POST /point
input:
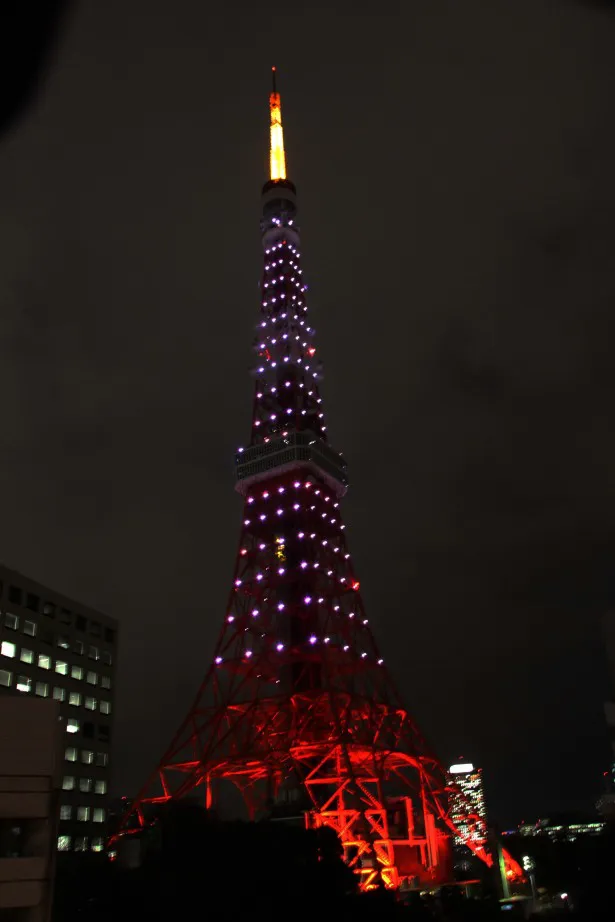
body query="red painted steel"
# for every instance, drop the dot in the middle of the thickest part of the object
(297, 710)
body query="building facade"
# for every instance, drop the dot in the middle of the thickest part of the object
(606, 803)
(31, 766)
(54, 647)
(467, 799)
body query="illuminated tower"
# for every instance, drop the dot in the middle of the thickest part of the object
(297, 704)
(467, 801)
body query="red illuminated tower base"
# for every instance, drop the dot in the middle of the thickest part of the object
(297, 710)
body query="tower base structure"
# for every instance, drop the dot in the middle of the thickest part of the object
(297, 703)
(345, 763)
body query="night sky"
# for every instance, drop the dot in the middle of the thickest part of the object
(454, 163)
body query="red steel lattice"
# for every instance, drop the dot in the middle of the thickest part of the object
(297, 707)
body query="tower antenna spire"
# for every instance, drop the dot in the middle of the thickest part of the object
(277, 159)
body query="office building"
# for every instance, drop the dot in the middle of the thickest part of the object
(54, 647)
(31, 767)
(467, 800)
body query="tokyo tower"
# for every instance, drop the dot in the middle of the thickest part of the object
(297, 710)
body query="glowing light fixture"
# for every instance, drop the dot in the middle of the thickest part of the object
(461, 767)
(277, 160)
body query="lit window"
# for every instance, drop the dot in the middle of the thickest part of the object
(29, 627)
(97, 844)
(66, 812)
(70, 754)
(64, 642)
(100, 787)
(5, 678)
(64, 843)
(68, 783)
(91, 678)
(105, 707)
(24, 684)
(93, 653)
(61, 667)
(90, 704)
(76, 672)
(44, 661)
(59, 694)
(72, 725)
(83, 814)
(105, 681)
(87, 756)
(8, 649)
(85, 785)
(74, 698)
(81, 844)
(102, 759)
(98, 815)
(11, 621)
(41, 689)
(26, 656)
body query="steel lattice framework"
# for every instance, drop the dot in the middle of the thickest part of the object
(297, 707)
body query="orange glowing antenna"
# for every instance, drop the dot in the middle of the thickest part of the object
(277, 160)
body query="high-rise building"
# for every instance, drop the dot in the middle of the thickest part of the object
(54, 647)
(467, 801)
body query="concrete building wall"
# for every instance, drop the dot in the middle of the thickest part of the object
(31, 743)
(608, 627)
(606, 803)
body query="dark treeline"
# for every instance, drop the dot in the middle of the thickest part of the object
(196, 865)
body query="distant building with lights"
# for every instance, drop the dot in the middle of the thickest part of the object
(561, 830)
(467, 799)
(56, 648)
